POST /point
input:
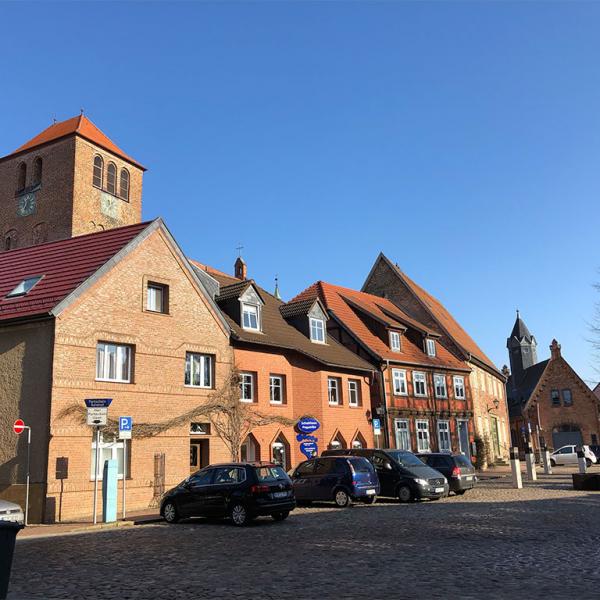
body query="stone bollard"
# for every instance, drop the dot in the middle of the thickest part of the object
(581, 460)
(546, 461)
(515, 466)
(530, 461)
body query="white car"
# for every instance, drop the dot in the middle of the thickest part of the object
(567, 455)
(9, 511)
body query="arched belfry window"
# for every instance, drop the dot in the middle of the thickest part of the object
(111, 179)
(22, 176)
(98, 171)
(37, 171)
(124, 184)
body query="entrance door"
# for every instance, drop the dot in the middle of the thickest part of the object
(463, 436)
(495, 437)
(199, 455)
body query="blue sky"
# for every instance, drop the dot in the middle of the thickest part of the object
(461, 138)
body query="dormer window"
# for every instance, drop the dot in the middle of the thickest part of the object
(24, 287)
(395, 341)
(250, 317)
(317, 330)
(430, 344)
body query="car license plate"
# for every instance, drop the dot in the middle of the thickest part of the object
(469, 477)
(280, 494)
(439, 490)
(370, 492)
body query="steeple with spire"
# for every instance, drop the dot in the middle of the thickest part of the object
(522, 350)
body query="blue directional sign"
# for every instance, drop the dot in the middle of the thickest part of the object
(308, 425)
(98, 402)
(309, 449)
(377, 426)
(125, 423)
(302, 437)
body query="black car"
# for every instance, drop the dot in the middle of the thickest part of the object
(240, 491)
(342, 479)
(401, 474)
(456, 468)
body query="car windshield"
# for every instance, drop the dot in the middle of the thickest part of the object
(462, 461)
(405, 459)
(270, 474)
(361, 465)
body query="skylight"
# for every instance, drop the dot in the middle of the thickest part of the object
(24, 287)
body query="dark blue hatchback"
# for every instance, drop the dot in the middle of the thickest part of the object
(341, 479)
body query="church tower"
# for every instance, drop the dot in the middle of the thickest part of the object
(68, 180)
(522, 350)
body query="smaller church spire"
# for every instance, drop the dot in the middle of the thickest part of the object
(276, 292)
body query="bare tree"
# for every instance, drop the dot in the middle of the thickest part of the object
(232, 419)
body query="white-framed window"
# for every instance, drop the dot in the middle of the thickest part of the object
(317, 330)
(109, 449)
(353, 392)
(198, 370)
(399, 380)
(402, 434)
(459, 387)
(420, 383)
(276, 389)
(394, 341)
(423, 444)
(247, 387)
(156, 297)
(333, 390)
(250, 317)
(439, 382)
(113, 362)
(444, 441)
(430, 347)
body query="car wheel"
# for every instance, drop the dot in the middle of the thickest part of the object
(552, 462)
(342, 498)
(405, 494)
(239, 515)
(170, 513)
(588, 463)
(370, 500)
(281, 516)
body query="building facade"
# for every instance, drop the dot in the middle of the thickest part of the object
(487, 383)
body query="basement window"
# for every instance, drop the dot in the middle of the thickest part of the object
(24, 287)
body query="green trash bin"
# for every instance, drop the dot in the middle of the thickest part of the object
(8, 535)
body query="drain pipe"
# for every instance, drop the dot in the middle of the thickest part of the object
(386, 433)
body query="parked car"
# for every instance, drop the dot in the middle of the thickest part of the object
(342, 479)
(456, 468)
(596, 450)
(9, 511)
(240, 491)
(567, 455)
(401, 474)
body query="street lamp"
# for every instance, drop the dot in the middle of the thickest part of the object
(495, 407)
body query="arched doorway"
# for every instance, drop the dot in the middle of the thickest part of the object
(566, 434)
(337, 442)
(359, 441)
(280, 452)
(250, 450)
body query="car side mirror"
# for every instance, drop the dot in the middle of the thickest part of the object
(388, 465)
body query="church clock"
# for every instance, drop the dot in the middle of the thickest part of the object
(26, 205)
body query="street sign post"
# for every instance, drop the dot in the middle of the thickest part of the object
(125, 427)
(377, 426)
(18, 427)
(97, 415)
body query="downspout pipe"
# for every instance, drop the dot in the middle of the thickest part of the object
(386, 432)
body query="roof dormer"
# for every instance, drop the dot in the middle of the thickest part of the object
(251, 309)
(309, 317)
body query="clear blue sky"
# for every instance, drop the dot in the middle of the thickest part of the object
(462, 139)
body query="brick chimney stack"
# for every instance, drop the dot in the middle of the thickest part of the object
(555, 350)
(240, 269)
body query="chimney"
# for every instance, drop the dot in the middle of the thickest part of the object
(555, 350)
(240, 269)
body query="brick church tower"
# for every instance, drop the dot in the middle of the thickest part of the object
(69, 180)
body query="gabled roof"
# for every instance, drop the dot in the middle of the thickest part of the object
(293, 309)
(279, 333)
(518, 398)
(440, 314)
(342, 303)
(81, 126)
(233, 290)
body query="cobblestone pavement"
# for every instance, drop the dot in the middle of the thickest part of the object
(493, 542)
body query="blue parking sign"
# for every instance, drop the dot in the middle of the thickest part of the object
(125, 427)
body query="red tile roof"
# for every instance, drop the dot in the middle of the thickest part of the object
(224, 278)
(64, 265)
(81, 126)
(343, 303)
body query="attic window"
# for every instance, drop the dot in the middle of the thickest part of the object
(430, 347)
(394, 341)
(317, 330)
(24, 287)
(250, 317)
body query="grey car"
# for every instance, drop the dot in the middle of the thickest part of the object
(9, 511)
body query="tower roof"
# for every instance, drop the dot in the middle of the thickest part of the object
(520, 330)
(81, 126)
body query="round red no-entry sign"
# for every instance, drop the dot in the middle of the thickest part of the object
(19, 426)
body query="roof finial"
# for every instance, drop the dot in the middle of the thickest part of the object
(518, 314)
(276, 293)
(53, 119)
(81, 111)
(239, 249)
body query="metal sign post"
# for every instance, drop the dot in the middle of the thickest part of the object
(97, 433)
(18, 427)
(125, 427)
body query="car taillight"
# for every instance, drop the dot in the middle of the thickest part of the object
(455, 473)
(259, 489)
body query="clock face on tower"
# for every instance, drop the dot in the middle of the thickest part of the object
(109, 205)
(26, 205)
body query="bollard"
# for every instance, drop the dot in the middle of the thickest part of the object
(581, 460)
(530, 461)
(515, 466)
(546, 461)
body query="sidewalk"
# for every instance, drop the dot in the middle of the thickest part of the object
(135, 518)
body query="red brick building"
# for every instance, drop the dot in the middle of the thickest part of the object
(422, 393)
(290, 366)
